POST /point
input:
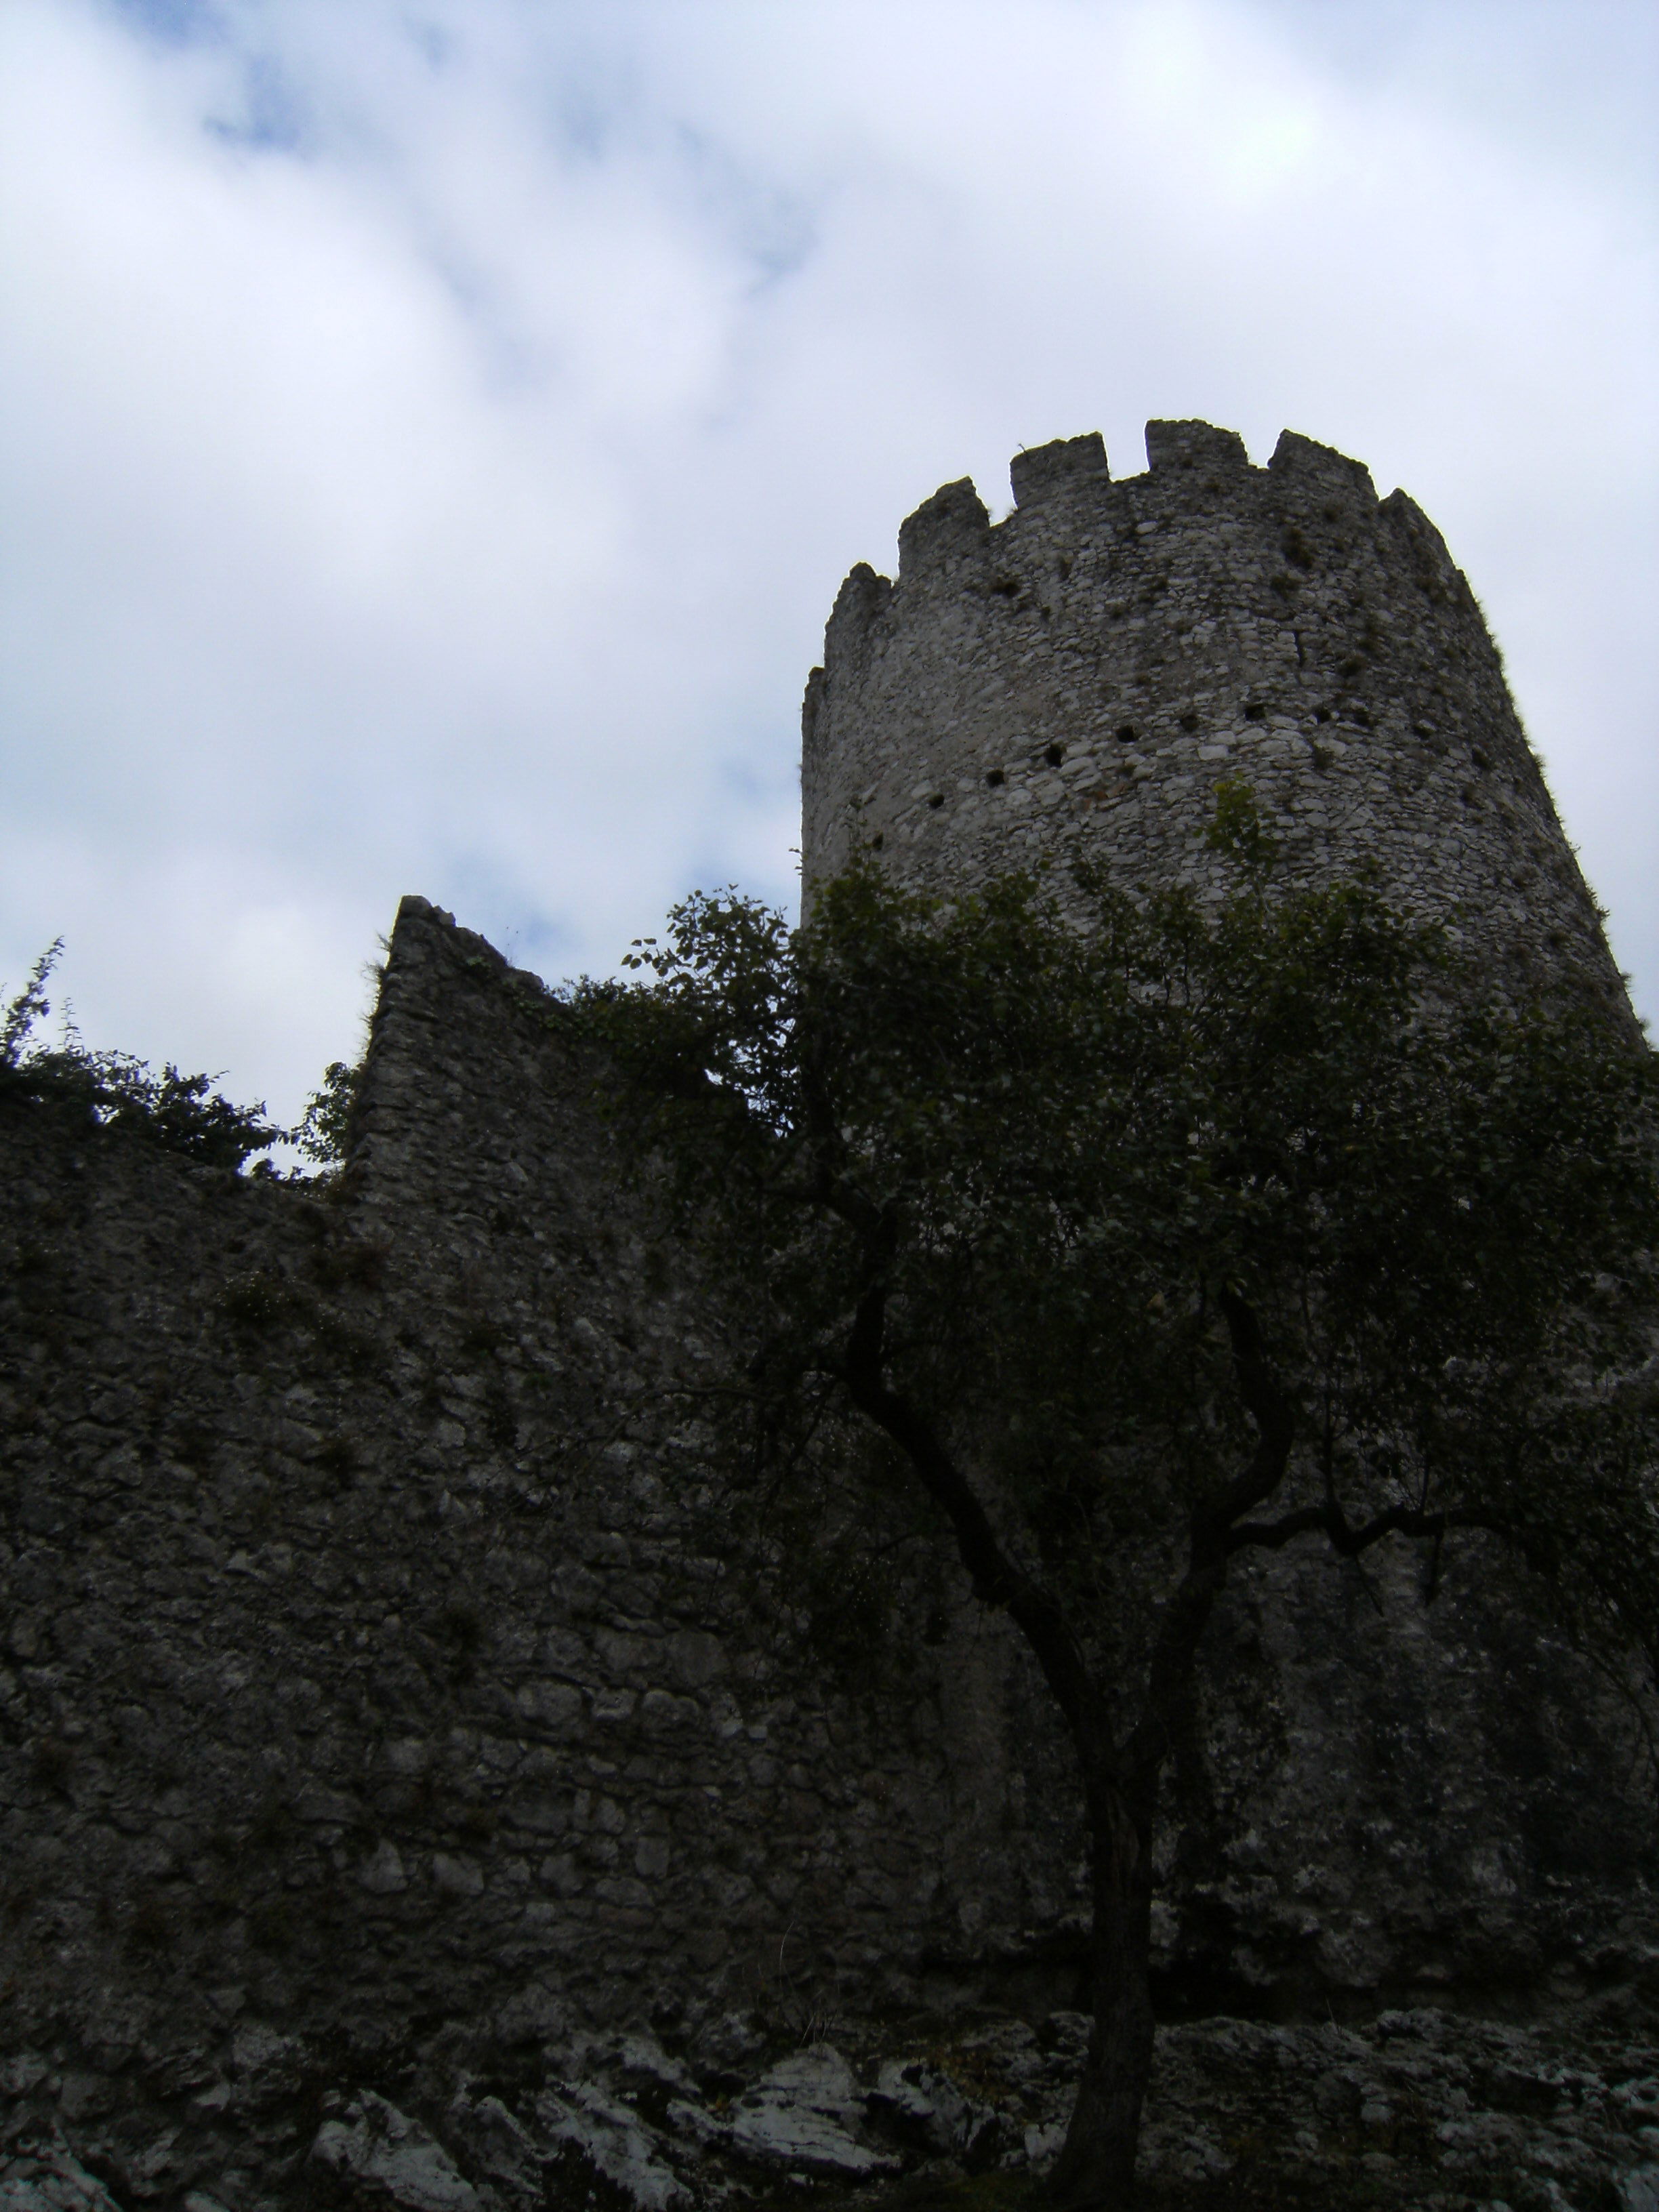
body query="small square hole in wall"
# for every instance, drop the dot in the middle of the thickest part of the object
(995, 778)
(936, 798)
(1053, 755)
(1127, 734)
(1189, 722)
(1255, 712)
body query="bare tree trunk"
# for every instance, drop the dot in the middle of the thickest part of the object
(1096, 2167)
(1097, 2163)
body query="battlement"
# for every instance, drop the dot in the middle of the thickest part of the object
(952, 525)
(1322, 471)
(1060, 470)
(1064, 490)
(1083, 673)
(1172, 446)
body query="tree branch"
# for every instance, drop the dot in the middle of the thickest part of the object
(996, 1579)
(1170, 1674)
(1267, 1407)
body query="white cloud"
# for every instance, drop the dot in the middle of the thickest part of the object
(433, 443)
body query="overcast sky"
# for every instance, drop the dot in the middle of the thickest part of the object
(433, 431)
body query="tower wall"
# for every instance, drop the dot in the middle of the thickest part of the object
(1083, 674)
(1369, 1775)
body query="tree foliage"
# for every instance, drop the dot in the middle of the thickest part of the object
(1073, 1146)
(186, 1113)
(320, 1135)
(113, 1089)
(1154, 1230)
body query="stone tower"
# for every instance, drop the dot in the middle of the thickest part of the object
(1085, 672)
(1384, 1795)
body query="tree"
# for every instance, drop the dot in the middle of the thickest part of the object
(320, 1135)
(112, 1090)
(115, 1089)
(1149, 1233)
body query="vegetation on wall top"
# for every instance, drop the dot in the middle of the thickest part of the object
(112, 1090)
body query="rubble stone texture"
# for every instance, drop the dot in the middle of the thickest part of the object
(384, 1644)
(398, 1686)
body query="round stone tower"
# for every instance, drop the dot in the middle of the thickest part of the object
(1087, 670)
(1380, 1798)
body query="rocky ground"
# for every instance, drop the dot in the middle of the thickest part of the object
(1419, 2110)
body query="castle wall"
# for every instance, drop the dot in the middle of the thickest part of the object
(386, 1645)
(391, 1657)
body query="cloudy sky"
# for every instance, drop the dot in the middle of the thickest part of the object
(433, 431)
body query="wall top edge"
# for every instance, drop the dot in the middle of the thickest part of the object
(1060, 483)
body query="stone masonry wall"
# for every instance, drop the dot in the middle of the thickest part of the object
(384, 1644)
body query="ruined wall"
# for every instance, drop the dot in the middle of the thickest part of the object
(387, 1650)
(384, 1644)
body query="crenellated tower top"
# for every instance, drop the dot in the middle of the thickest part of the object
(1085, 673)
